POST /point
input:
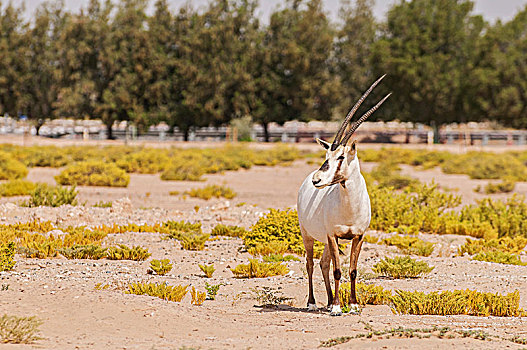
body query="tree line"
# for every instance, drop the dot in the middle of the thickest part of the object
(205, 67)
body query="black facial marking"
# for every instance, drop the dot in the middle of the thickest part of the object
(337, 274)
(334, 146)
(325, 166)
(353, 275)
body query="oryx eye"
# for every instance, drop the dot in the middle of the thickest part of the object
(340, 157)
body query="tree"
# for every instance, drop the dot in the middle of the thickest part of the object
(501, 76)
(353, 50)
(425, 50)
(290, 66)
(12, 51)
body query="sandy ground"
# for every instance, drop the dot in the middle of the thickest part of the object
(75, 315)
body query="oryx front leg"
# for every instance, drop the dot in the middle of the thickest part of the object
(356, 245)
(325, 263)
(334, 254)
(308, 245)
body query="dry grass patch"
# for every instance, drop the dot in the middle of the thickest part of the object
(499, 257)
(197, 297)
(122, 252)
(410, 245)
(208, 270)
(163, 291)
(402, 267)
(210, 191)
(19, 330)
(17, 187)
(7, 256)
(257, 269)
(160, 267)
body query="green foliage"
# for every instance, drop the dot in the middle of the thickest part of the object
(90, 251)
(102, 204)
(176, 228)
(367, 294)
(193, 241)
(402, 267)
(272, 248)
(279, 258)
(52, 196)
(410, 245)
(371, 239)
(228, 231)
(93, 173)
(19, 330)
(387, 174)
(208, 270)
(163, 291)
(7, 256)
(212, 290)
(257, 269)
(499, 257)
(197, 297)
(212, 191)
(480, 165)
(423, 210)
(505, 186)
(278, 227)
(457, 302)
(145, 161)
(10, 168)
(17, 188)
(126, 253)
(160, 267)
(504, 244)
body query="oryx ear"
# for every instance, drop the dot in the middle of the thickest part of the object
(353, 147)
(323, 143)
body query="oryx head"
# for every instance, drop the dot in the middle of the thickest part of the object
(341, 158)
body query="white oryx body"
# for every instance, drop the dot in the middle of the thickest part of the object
(334, 209)
(333, 203)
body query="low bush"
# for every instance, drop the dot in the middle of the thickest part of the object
(123, 252)
(19, 330)
(212, 191)
(7, 256)
(145, 161)
(93, 173)
(279, 258)
(102, 204)
(208, 270)
(410, 245)
(163, 291)
(257, 269)
(212, 290)
(272, 248)
(267, 296)
(10, 168)
(175, 229)
(371, 239)
(160, 267)
(505, 186)
(228, 231)
(387, 174)
(197, 297)
(367, 294)
(90, 251)
(51, 196)
(499, 257)
(17, 188)
(480, 165)
(402, 267)
(193, 241)
(504, 244)
(457, 302)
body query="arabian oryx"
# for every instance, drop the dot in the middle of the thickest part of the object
(333, 203)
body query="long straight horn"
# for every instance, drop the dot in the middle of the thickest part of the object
(365, 116)
(336, 141)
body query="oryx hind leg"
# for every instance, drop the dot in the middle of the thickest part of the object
(308, 245)
(337, 274)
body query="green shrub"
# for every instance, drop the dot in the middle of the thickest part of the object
(102, 204)
(367, 294)
(10, 168)
(257, 269)
(499, 257)
(90, 251)
(175, 229)
(188, 171)
(197, 297)
(387, 174)
(279, 258)
(19, 330)
(479, 165)
(17, 188)
(277, 226)
(410, 245)
(52, 196)
(126, 253)
(160, 267)
(208, 270)
(504, 244)
(402, 267)
(505, 186)
(163, 291)
(271, 248)
(228, 231)
(212, 290)
(145, 161)
(212, 191)
(7, 256)
(93, 173)
(193, 241)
